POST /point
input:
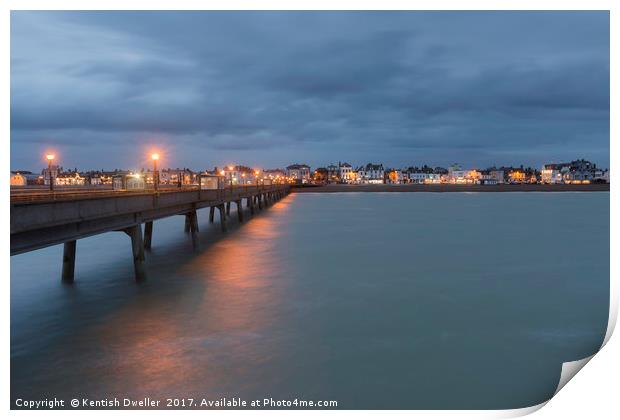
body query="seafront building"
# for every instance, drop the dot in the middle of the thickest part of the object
(574, 172)
(299, 173)
(371, 174)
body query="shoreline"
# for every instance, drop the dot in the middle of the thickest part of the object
(439, 188)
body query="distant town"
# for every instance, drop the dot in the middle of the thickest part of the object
(574, 172)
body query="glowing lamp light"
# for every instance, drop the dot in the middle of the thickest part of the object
(155, 156)
(50, 157)
(230, 168)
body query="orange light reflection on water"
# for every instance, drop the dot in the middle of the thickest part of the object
(210, 328)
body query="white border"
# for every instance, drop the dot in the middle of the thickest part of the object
(596, 384)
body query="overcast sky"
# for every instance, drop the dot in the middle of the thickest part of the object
(101, 89)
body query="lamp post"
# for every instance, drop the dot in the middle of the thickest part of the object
(50, 159)
(155, 157)
(230, 168)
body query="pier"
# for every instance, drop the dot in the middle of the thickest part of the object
(39, 220)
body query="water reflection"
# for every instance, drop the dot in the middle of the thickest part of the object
(199, 324)
(376, 300)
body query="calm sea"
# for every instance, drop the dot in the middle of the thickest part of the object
(376, 300)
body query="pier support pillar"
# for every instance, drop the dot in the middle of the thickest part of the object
(192, 216)
(222, 210)
(68, 262)
(148, 234)
(239, 210)
(260, 201)
(228, 209)
(187, 223)
(251, 204)
(137, 249)
(211, 214)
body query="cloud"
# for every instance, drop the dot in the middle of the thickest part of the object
(327, 85)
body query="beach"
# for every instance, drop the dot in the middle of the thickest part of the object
(334, 188)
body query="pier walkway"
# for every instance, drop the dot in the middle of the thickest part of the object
(41, 219)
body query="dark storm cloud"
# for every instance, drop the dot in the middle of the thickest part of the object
(271, 88)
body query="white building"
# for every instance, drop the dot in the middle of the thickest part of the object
(371, 174)
(49, 173)
(458, 176)
(498, 176)
(423, 178)
(298, 173)
(487, 178)
(552, 173)
(70, 179)
(601, 175)
(417, 177)
(345, 172)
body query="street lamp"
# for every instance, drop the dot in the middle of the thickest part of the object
(155, 157)
(50, 159)
(230, 168)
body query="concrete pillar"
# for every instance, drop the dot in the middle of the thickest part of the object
(148, 234)
(211, 214)
(187, 223)
(193, 227)
(222, 210)
(251, 204)
(68, 262)
(260, 201)
(228, 209)
(137, 250)
(239, 210)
